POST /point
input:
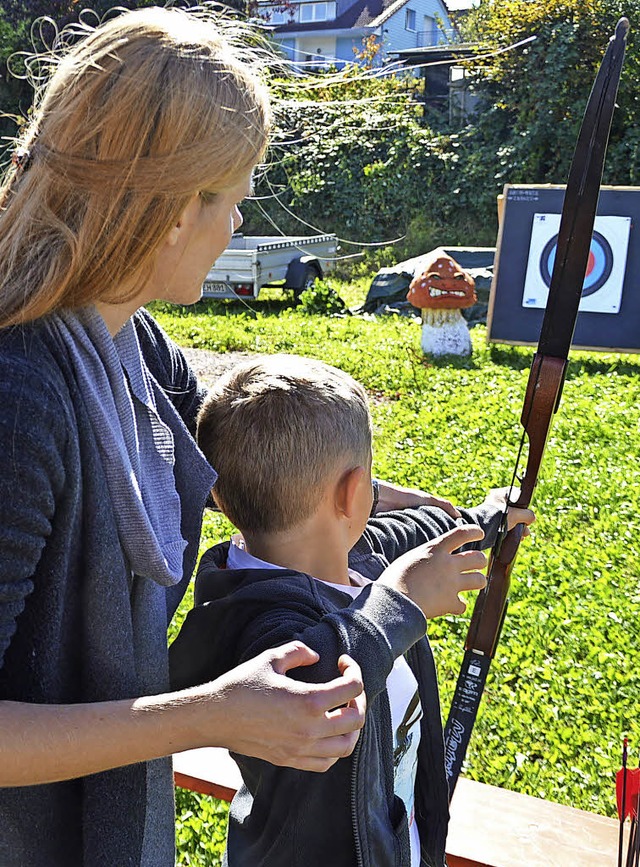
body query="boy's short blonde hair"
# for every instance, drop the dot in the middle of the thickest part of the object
(275, 429)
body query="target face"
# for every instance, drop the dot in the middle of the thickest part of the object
(599, 266)
(602, 288)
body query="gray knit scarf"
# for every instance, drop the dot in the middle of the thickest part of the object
(136, 446)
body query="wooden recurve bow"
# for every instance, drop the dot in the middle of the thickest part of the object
(544, 389)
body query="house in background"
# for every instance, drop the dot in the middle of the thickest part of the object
(325, 32)
(447, 83)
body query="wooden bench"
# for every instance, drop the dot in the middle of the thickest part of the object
(210, 771)
(490, 827)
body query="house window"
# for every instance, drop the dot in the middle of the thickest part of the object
(278, 14)
(317, 12)
(410, 19)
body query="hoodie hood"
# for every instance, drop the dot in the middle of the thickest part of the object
(226, 603)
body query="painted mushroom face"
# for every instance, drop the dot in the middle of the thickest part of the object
(443, 285)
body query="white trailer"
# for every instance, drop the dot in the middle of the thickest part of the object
(251, 262)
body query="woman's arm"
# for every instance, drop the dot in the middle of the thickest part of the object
(254, 709)
(390, 497)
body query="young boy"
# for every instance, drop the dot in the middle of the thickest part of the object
(291, 441)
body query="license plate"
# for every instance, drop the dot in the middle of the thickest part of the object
(210, 288)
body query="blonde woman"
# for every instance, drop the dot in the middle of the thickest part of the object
(125, 188)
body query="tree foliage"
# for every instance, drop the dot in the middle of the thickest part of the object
(533, 99)
(351, 156)
(357, 159)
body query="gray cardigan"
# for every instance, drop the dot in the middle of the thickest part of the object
(71, 617)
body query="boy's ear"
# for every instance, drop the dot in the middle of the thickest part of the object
(347, 490)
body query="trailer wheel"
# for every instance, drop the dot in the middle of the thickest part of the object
(302, 273)
(310, 276)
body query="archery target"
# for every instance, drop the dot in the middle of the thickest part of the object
(602, 288)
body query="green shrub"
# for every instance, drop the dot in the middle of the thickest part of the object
(321, 298)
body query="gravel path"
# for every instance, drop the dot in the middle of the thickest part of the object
(209, 365)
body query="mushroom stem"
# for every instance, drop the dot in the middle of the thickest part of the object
(438, 318)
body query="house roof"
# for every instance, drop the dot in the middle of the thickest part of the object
(388, 11)
(362, 13)
(435, 53)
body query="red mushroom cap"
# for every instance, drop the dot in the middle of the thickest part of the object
(443, 284)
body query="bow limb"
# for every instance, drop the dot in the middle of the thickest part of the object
(543, 393)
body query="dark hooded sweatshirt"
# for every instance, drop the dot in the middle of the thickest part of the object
(348, 816)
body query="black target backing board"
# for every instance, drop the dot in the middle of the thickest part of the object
(609, 317)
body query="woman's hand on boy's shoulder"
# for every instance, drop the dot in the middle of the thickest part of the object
(256, 710)
(391, 497)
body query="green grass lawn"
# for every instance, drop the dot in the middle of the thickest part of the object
(565, 682)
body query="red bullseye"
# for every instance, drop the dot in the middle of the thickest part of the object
(590, 264)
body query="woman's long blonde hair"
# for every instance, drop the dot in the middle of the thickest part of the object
(151, 108)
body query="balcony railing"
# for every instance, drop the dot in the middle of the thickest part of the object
(436, 36)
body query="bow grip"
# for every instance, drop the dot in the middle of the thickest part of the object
(542, 398)
(491, 604)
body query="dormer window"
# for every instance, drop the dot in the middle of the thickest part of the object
(310, 12)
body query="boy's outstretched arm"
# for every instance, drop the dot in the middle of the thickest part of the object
(432, 575)
(397, 532)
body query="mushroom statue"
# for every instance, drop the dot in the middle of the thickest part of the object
(441, 290)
